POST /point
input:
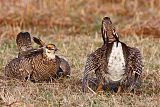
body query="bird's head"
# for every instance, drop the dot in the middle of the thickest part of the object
(108, 30)
(49, 50)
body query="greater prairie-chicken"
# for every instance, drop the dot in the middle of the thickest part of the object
(21, 67)
(116, 65)
(36, 64)
(65, 69)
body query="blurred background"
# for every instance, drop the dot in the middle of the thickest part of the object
(76, 17)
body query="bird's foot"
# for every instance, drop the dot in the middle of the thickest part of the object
(100, 88)
(119, 90)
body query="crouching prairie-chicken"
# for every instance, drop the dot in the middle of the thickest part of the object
(38, 65)
(117, 66)
(63, 65)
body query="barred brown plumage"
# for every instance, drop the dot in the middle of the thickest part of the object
(64, 69)
(19, 68)
(24, 44)
(44, 68)
(116, 65)
(38, 65)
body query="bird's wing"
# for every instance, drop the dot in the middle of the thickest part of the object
(136, 58)
(135, 66)
(64, 65)
(92, 63)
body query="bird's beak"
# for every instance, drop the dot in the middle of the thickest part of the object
(56, 49)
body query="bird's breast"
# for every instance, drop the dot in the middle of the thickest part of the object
(116, 63)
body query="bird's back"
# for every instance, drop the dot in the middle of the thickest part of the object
(44, 69)
(19, 68)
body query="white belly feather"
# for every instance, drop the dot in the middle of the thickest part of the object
(116, 64)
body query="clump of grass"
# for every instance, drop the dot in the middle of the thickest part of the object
(68, 92)
(79, 16)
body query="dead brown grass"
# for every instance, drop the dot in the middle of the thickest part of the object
(74, 27)
(136, 16)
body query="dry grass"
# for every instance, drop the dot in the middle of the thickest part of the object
(74, 27)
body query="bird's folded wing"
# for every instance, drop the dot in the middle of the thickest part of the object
(136, 57)
(92, 63)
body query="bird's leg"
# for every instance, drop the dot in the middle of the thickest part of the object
(119, 89)
(100, 88)
(120, 86)
(134, 83)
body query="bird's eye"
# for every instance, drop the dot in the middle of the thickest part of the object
(51, 49)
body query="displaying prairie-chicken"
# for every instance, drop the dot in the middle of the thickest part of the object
(38, 65)
(117, 66)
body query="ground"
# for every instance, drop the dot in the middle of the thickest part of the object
(74, 27)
